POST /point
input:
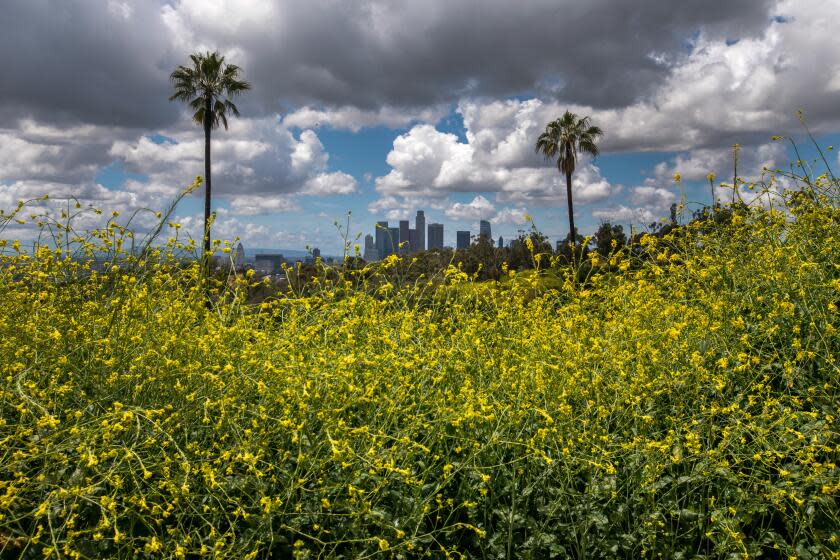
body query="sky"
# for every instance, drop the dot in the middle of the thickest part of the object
(382, 108)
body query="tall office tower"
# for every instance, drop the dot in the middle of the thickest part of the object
(239, 257)
(501, 242)
(420, 226)
(395, 240)
(316, 253)
(435, 236)
(387, 244)
(381, 235)
(412, 240)
(403, 241)
(370, 254)
(462, 239)
(484, 229)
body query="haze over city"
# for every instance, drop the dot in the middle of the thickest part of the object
(383, 109)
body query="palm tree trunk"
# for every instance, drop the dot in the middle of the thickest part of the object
(207, 189)
(572, 239)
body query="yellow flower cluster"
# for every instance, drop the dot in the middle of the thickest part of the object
(681, 400)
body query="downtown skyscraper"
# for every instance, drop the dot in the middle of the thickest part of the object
(484, 229)
(420, 226)
(435, 236)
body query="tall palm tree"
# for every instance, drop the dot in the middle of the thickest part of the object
(564, 138)
(207, 86)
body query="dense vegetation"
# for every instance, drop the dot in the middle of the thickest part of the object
(681, 402)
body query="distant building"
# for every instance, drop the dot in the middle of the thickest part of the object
(404, 237)
(393, 240)
(316, 253)
(239, 257)
(268, 263)
(462, 239)
(435, 236)
(420, 226)
(501, 242)
(381, 235)
(370, 254)
(484, 229)
(412, 241)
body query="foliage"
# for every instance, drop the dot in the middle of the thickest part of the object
(608, 238)
(681, 405)
(207, 86)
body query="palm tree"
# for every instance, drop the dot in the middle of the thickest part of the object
(564, 138)
(206, 87)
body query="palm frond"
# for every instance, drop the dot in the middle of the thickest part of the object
(588, 146)
(563, 138)
(211, 78)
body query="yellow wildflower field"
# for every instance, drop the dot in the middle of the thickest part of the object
(681, 401)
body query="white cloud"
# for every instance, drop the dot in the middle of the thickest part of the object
(513, 216)
(90, 196)
(426, 162)
(653, 197)
(479, 208)
(258, 164)
(624, 214)
(647, 204)
(326, 184)
(695, 165)
(253, 205)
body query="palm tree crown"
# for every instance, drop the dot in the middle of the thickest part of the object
(564, 139)
(209, 79)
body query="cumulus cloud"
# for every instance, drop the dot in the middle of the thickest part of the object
(478, 208)
(330, 183)
(253, 205)
(697, 164)
(646, 204)
(512, 216)
(258, 164)
(254, 156)
(653, 197)
(625, 214)
(31, 151)
(134, 207)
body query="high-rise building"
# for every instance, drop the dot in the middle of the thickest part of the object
(394, 239)
(484, 229)
(501, 242)
(239, 257)
(381, 236)
(316, 253)
(370, 254)
(462, 239)
(435, 236)
(412, 240)
(420, 226)
(404, 240)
